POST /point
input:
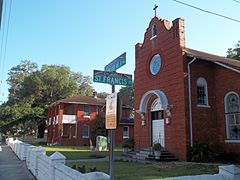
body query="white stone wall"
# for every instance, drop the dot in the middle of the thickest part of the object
(52, 167)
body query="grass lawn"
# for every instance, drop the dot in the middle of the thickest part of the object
(78, 152)
(130, 170)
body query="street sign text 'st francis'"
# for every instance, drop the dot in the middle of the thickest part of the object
(112, 78)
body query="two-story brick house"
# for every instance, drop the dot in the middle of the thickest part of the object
(183, 96)
(71, 121)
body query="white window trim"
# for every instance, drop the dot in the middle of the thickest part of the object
(153, 36)
(88, 132)
(202, 82)
(232, 141)
(203, 106)
(88, 111)
(126, 137)
(226, 120)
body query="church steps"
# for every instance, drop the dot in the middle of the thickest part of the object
(147, 154)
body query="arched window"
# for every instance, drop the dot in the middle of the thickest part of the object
(232, 115)
(154, 30)
(202, 92)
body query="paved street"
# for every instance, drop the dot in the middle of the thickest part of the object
(11, 168)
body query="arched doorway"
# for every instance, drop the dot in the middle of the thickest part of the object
(157, 123)
(155, 114)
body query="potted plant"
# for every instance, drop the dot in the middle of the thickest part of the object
(157, 150)
(128, 145)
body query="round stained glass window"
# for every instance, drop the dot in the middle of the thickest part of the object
(155, 64)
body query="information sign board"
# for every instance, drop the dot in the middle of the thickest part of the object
(111, 111)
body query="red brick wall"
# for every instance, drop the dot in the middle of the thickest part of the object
(119, 134)
(209, 125)
(226, 81)
(55, 131)
(204, 119)
(170, 80)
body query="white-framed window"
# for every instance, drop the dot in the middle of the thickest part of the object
(85, 132)
(86, 110)
(125, 132)
(154, 31)
(202, 92)
(232, 115)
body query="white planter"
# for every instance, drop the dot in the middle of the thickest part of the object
(157, 154)
(125, 150)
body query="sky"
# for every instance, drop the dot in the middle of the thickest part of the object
(87, 35)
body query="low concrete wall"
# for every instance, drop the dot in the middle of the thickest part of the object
(52, 167)
(229, 172)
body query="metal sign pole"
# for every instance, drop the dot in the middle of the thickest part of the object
(111, 155)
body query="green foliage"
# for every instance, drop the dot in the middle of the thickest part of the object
(99, 126)
(32, 91)
(201, 152)
(128, 143)
(102, 95)
(157, 147)
(17, 75)
(228, 157)
(84, 84)
(234, 53)
(126, 95)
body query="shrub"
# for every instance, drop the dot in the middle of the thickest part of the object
(201, 152)
(157, 147)
(228, 157)
(128, 143)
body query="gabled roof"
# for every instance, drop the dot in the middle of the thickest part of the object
(82, 100)
(220, 60)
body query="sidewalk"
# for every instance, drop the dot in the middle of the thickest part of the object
(11, 168)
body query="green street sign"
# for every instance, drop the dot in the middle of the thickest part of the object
(116, 63)
(112, 78)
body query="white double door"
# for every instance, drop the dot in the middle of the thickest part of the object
(158, 131)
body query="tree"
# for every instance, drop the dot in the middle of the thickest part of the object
(99, 126)
(234, 53)
(102, 95)
(126, 94)
(84, 84)
(17, 74)
(32, 91)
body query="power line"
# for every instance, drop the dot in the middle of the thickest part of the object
(6, 39)
(3, 33)
(236, 1)
(2, 40)
(206, 11)
(1, 5)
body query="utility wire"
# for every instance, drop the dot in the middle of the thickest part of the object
(2, 38)
(2, 33)
(206, 11)
(6, 38)
(1, 5)
(236, 1)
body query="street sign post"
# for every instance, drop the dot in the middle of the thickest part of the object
(116, 63)
(112, 78)
(111, 111)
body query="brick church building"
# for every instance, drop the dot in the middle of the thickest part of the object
(184, 96)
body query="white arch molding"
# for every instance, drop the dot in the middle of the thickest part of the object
(145, 98)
